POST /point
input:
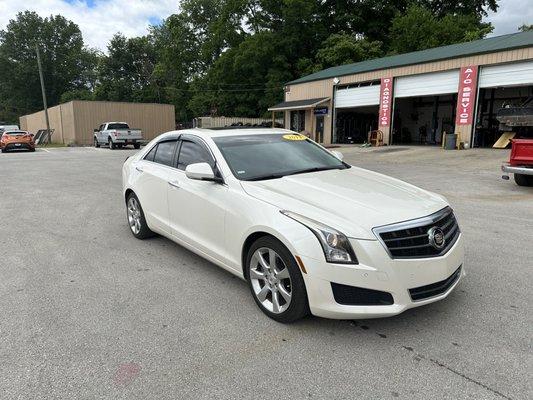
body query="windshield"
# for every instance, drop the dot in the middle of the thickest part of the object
(118, 126)
(258, 157)
(15, 133)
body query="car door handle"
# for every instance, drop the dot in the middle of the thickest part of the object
(139, 169)
(174, 184)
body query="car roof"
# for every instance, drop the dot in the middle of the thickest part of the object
(229, 131)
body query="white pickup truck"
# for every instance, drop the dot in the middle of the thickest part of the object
(117, 134)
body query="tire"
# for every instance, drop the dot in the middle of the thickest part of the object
(523, 180)
(136, 146)
(32, 150)
(96, 144)
(112, 145)
(285, 279)
(4, 150)
(136, 221)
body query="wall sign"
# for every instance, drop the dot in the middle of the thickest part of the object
(385, 98)
(321, 111)
(466, 96)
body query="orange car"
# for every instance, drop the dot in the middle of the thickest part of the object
(12, 140)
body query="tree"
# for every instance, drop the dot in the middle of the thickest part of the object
(525, 28)
(65, 61)
(244, 81)
(339, 49)
(420, 29)
(126, 72)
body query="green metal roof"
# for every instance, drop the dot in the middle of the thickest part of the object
(490, 45)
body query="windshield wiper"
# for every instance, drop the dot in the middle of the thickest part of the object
(301, 171)
(315, 169)
(265, 177)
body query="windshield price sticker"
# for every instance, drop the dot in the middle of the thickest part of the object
(293, 137)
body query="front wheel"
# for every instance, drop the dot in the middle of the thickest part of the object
(96, 144)
(136, 220)
(275, 281)
(523, 180)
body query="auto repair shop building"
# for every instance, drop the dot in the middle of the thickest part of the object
(74, 122)
(415, 97)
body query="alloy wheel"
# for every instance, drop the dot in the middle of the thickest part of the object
(134, 215)
(270, 279)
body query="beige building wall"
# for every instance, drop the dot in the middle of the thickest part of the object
(74, 122)
(60, 118)
(324, 88)
(152, 119)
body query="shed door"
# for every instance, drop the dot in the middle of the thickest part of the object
(506, 75)
(427, 84)
(357, 97)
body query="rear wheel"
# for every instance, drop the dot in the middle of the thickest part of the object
(136, 146)
(112, 145)
(523, 180)
(137, 222)
(275, 281)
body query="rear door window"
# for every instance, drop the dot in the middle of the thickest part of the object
(151, 154)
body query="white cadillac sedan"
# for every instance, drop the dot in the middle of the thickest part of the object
(307, 231)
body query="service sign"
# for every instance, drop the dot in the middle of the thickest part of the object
(385, 101)
(321, 111)
(467, 95)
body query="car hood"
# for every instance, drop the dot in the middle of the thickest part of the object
(352, 200)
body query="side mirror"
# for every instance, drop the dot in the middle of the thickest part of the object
(95, 130)
(337, 154)
(200, 172)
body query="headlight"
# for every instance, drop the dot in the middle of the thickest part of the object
(336, 246)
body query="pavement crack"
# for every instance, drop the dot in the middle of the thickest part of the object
(458, 373)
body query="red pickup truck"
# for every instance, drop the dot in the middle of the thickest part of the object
(521, 162)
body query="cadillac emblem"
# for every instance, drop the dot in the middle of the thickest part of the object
(436, 238)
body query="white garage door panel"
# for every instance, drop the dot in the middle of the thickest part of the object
(357, 97)
(427, 84)
(506, 75)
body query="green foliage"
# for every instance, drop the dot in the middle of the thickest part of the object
(126, 72)
(420, 29)
(525, 28)
(66, 63)
(342, 48)
(77, 94)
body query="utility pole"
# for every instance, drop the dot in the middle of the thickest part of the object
(43, 92)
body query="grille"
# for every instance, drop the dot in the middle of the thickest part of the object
(425, 292)
(410, 239)
(356, 296)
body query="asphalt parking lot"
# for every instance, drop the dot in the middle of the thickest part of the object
(90, 312)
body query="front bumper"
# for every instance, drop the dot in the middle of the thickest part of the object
(517, 169)
(377, 271)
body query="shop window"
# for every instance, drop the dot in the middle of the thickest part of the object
(298, 120)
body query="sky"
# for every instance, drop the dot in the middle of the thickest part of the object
(99, 20)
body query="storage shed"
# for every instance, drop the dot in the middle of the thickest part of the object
(74, 122)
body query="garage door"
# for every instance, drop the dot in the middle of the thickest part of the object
(427, 84)
(506, 75)
(357, 97)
